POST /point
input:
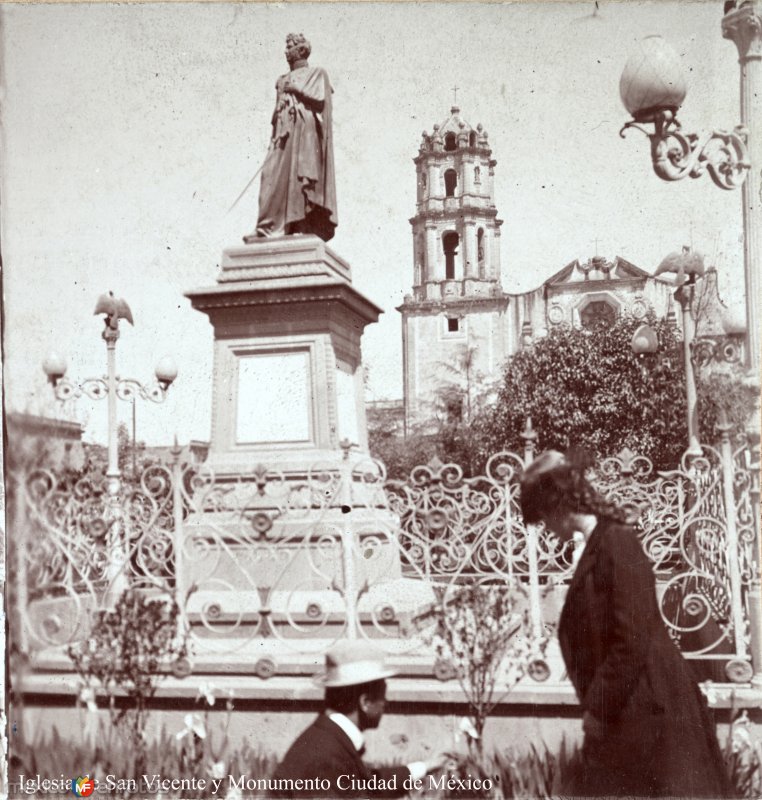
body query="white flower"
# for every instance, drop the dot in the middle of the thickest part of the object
(194, 723)
(741, 740)
(741, 734)
(87, 696)
(218, 769)
(467, 726)
(207, 690)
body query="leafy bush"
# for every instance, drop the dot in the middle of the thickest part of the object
(585, 387)
(124, 652)
(483, 633)
(401, 455)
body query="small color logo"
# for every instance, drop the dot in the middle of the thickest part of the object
(82, 787)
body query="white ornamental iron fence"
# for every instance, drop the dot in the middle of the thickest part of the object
(297, 562)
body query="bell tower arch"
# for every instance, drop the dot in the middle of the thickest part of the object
(457, 302)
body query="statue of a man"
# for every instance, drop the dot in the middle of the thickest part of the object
(298, 189)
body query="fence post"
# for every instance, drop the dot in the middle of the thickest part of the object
(530, 441)
(17, 534)
(755, 625)
(755, 590)
(178, 543)
(535, 607)
(347, 540)
(734, 569)
(118, 582)
(508, 519)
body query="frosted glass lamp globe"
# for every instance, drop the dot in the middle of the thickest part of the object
(652, 80)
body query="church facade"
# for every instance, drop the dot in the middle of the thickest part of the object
(458, 324)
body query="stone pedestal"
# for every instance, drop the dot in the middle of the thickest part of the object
(294, 523)
(288, 382)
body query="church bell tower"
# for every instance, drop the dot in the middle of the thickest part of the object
(453, 322)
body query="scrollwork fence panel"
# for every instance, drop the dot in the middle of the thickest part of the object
(296, 562)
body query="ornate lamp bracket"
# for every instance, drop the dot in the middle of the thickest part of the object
(94, 388)
(706, 351)
(128, 388)
(97, 389)
(677, 155)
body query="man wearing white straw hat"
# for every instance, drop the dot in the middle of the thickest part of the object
(326, 758)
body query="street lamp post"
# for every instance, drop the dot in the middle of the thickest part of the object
(113, 388)
(743, 26)
(684, 296)
(686, 267)
(653, 88)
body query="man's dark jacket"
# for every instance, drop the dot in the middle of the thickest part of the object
(656, 737)
(324, 751)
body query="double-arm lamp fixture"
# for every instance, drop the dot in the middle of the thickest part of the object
(112, 387)
(55, 367)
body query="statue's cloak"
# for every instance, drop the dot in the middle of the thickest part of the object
(298, 188)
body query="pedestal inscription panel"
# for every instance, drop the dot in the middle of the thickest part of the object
(273, 398)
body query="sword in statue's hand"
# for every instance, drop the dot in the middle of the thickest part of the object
(247, 187)
(287, 102)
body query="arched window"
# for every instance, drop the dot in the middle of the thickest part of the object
(472, 139)
(451, 181)
(423, 181)
(480, 252)
(450, 243)
(451, 141)
(420, 258)
(597, 313)
(477, 175)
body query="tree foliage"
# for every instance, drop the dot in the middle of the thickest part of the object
(447, 433)
(585, 387)
(582, 387)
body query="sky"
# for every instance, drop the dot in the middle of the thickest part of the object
(129, 130)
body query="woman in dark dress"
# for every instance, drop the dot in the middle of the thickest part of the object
(647, 728)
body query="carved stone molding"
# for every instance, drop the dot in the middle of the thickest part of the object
(556, 314)
(744, 27)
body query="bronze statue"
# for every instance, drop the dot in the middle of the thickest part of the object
(298, 189)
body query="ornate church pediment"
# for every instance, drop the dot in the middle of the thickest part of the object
(596, 268)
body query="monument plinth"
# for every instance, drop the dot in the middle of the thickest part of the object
(274, 537)
(287, 381)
